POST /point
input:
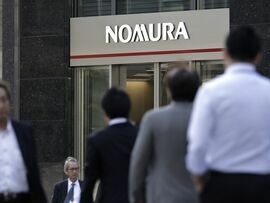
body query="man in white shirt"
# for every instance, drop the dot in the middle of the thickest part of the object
(68, 191)
(229, 132)
(20, 181)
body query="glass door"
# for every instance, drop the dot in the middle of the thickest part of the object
(139, 82)
(206, 70)
(90, 83)
(144, 83)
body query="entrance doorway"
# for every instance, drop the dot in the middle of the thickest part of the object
(138, 81)
(143, 82)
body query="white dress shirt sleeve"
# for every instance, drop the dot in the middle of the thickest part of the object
(200, 129)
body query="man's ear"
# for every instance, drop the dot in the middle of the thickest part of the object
(106, 118)
(227, 57)
(168, 92)
(258, 59)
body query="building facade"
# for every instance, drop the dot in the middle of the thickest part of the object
(62, 99)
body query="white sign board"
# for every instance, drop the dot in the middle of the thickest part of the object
(151, 37)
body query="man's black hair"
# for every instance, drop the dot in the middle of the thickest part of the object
(183, 84)
(116, 103)
(243, 44)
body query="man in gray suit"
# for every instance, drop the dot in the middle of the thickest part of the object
(157, 170)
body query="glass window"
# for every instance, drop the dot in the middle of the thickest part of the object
(176, 5)
(95, 7)
(206, 69)
(209, 69)
(208, 4)
(90, 84)
(137, 6)
(121, 7)
(164, 98)
(110, 7)
(142, 6)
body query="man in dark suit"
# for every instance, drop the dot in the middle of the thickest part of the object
(109, 150)
(20, 181)
(70, 189)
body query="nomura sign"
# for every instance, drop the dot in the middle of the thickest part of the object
(145, 33)
(148, 37)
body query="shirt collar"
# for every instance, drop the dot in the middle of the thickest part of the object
(9, 125)
(116, 121)
(240, 68)
(70, 182)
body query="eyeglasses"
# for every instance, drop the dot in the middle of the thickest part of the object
(73, 169)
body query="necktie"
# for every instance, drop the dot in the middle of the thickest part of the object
(70, 195)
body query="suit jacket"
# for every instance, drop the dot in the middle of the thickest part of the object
(158, 160)
(60, 191)
(24, 135)
(108, 157)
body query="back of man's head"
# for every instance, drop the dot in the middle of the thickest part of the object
(116, 103)
(243, 44)
(182, 84)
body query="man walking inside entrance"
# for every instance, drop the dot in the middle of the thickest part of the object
(229, 133)
(157, 172)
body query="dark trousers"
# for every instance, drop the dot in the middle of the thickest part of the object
(236, 188)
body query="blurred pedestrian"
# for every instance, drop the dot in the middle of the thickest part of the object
(158, 160)
(68, 191)
(20, 181)
(109, 150)
(229, 133)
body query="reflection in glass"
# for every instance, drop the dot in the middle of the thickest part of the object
(90, 84)
(209, 4)
(141, 6)
(206, 69)
(176, 5)
(95, 7)
(209, 69)
(150, 6)
(107, 7)
(164, 98)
